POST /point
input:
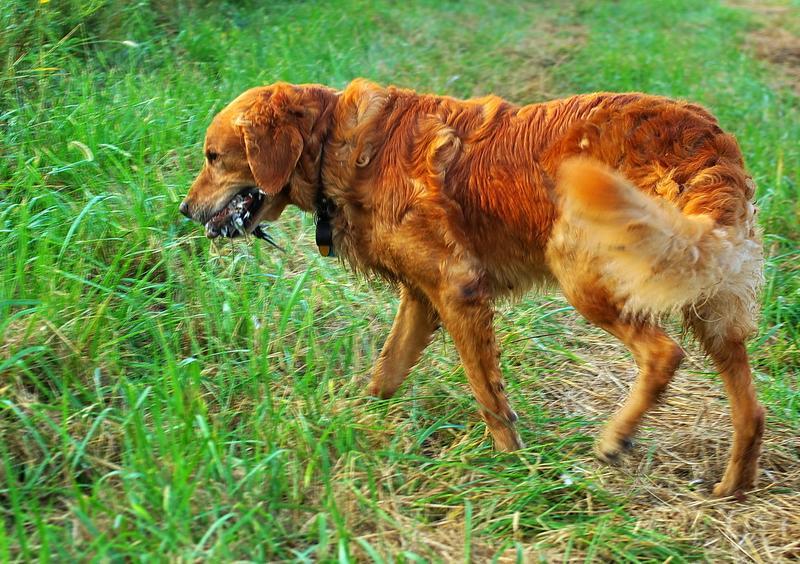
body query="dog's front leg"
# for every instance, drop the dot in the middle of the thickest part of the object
(456, 286)
(411, 332)
(467, 312)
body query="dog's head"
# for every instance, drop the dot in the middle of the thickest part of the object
(260, 152)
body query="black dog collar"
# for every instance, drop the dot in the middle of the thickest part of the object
(324, 234)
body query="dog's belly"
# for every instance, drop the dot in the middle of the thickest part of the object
(514, 263)
(513, 281)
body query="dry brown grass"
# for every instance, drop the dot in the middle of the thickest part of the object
(776, 40)
(531, 63)
(782, 49)
(680, 452)
(665, 481)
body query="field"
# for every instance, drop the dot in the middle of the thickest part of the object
(165, 397)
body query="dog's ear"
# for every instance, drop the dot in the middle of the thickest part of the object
(273, 143)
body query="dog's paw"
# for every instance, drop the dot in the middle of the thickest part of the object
(723, 489)
(508, 442)
(371, 390)
(610, 448)
(375, 391)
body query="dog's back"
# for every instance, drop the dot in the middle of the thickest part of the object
(493, 167)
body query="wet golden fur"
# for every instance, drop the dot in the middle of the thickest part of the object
(635, 205)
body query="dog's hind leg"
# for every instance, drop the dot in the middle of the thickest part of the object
(657, 357)
(722, 325)
(656, 354)
(411, 332)
(748, 418)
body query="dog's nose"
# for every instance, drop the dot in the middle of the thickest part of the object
(184, 209)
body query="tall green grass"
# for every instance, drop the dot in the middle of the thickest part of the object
(164, 396)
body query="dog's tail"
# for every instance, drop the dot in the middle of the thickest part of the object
(657, 259)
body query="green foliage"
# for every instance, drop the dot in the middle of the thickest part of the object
(162, 396)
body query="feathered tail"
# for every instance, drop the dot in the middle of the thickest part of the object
(658, 259)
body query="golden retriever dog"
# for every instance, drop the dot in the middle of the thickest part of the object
(636, 206)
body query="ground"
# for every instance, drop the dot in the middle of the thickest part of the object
(165, 397)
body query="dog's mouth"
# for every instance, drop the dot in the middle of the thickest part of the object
(238, 216)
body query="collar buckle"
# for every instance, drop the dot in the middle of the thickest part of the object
(325, 237)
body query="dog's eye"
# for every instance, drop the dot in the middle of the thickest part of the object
(211, 156)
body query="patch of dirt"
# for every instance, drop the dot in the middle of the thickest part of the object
(532, 61)
(681, 452)
(777, 40)
(781, 48)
